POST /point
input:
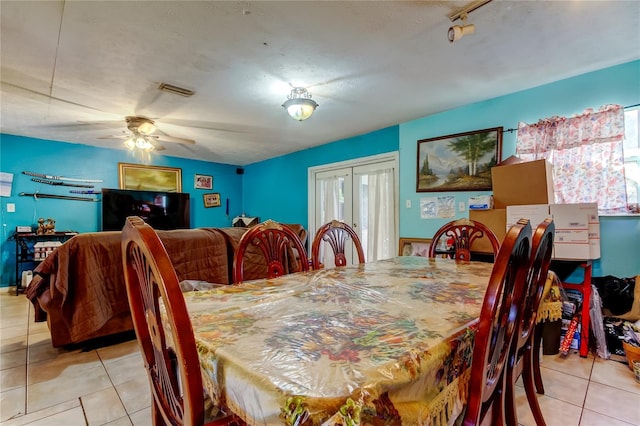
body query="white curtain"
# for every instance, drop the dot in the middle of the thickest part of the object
(380, 216)
(329, 210)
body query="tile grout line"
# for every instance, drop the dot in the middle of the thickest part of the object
(114, 387)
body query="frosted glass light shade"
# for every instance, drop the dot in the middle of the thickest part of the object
(300, 108)
(139, 142)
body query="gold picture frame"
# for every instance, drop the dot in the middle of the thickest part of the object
(414, 247)
(203, 182)
(458, 162)
(149, 178)
(211, 200)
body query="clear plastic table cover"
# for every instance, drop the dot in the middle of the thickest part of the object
(387, 341)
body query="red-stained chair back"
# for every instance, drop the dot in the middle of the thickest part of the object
(462, 233)
(278, 243)
(497, 327)
(335, 233)
(521, 358)
(172, 363)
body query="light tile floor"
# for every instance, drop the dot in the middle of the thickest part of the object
(42, 385)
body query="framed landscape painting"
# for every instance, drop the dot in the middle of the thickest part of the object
(458, 162)
(149, 178)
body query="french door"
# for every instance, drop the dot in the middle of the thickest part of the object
(363, 194)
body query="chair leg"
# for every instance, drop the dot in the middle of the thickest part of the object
(529, 387)
(537, 376)
(510, 409)
(156, 416)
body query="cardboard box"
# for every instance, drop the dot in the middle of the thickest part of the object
(577, 230)
(571, 236)
(496, 220)
(569, 251)
(481, 202)
(524, 183)
(536, 213)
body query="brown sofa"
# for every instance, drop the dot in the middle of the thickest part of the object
(80, 289)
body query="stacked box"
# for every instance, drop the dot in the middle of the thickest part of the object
(494, 219)
(577, 235)
(44, 248)
(577, 231)
(525, 190)
(514, 184)
(524, 183)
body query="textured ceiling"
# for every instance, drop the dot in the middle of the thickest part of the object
(71, 71)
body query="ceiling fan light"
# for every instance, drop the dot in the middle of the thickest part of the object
(141, 143)
(130, 144)
(299, 104)
(147, 127)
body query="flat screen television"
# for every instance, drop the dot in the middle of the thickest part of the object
(161, 210)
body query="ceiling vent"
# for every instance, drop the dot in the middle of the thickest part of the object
(170, 88)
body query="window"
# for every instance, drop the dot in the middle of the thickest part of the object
(588, 156)
(631, 148)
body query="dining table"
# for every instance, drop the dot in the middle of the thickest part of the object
(384, 342)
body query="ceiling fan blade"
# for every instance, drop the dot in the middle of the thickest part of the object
(167, 138)
(114, 137)
(218, 127)
(86, 125)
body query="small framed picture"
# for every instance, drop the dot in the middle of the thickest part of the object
(203, 182)
(212, 200)
(414, 247)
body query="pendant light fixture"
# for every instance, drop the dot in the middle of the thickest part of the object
(299, 104)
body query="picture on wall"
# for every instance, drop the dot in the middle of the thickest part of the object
(203, 182)
(458, 162)
(149, 178)
(212, 200)
(414, 247)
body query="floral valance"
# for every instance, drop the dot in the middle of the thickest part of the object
(558, 133)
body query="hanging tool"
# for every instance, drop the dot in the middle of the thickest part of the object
(60, 183)
(58, 197)
(43, 176)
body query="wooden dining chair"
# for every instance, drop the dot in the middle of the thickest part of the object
(461, 233)
(496, 329)
(335, 233)
(172, 363)
(523, 361)
(278, 244)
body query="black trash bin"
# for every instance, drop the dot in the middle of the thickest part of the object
(551, 332)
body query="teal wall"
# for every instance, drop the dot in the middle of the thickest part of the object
(18, 154)
(288, 203)
(277, 188)
(620, 243)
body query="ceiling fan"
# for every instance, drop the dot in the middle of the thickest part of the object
(144, 135)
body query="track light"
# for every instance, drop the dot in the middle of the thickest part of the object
(456, 32)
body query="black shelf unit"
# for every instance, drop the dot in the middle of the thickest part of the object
(25, 251)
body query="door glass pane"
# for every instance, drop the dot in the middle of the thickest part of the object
(375, 207)
(332, 194)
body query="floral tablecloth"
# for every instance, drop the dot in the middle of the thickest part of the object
(387, 342)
